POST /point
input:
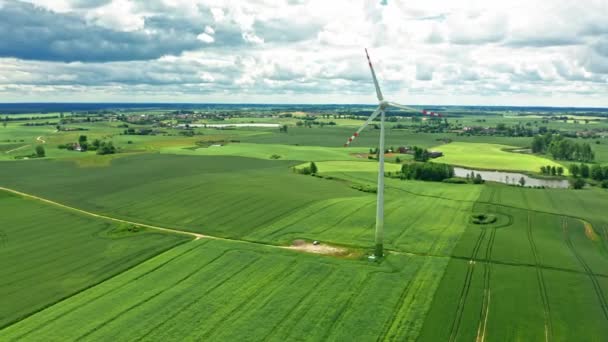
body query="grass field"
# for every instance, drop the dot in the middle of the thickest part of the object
(491, 156)
(538, 272)
(60, 253)
(214, 290)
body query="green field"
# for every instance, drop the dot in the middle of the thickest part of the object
(71, 270)
(491, 157)
(215, 290)
(61, 253)
(267, 151)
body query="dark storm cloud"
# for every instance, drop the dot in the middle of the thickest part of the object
(34, 33)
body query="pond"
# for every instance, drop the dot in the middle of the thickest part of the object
(512, 178)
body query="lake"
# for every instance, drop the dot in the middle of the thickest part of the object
(512, 178)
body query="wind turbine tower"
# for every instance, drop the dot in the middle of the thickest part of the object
(380, 110)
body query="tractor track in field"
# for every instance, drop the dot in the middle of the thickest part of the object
(541, 284)
(596, 285)
(250, 299)
(188, 305)
(342, 310)
(485, 303)
(465, 288)
(399, 304)
(104, 293)
(150, 298)
(295, 307)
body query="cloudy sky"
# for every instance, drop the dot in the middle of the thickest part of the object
(532, 52)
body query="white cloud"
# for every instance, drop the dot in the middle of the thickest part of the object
(205, 38)
(466, 51)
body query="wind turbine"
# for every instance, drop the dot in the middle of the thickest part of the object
(382, 106)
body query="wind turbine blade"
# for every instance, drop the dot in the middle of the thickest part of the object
(396, 105)
(378, 92)
(369, 120)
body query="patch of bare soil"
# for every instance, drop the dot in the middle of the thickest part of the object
(308, 247)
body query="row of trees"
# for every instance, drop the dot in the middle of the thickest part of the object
(552, 170)
(595, 172)
(427, 171)
(561, 148)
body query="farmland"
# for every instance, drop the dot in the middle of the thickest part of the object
(490, 156)
(61, 253)
(75, 270)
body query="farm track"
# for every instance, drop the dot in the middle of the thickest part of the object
(468, 279)
(17, 149)
(485, 304)
(541, 284)
(465, 288)
(596, 285)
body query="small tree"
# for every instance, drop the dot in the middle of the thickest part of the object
(522, 181)
(478, 179)
(82, 139)
(40, 153)
(575, 170)
(578, 183)
(584, 171)
(313, 168)
(397, 160)
(553, 171)
(543, 170)
(560, 170)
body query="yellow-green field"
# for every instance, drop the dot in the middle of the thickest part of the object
(491, 156)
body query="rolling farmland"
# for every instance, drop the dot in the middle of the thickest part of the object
(535, 272)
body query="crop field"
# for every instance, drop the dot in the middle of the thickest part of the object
(463, 262)
(276, 207)
(215, 290)
(490, 156)
(273, 151)
(60, 253)
(553, 265)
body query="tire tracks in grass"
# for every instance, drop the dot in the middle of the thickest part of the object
(394, 326)
(465, 288)
(487, 273)
(148, 299)
(596, 285)
(295, 307)
(541, 283)
(277, 278)
(338, 317)
(341, 220)
(46, 322)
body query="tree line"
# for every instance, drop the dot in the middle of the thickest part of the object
(561, 148)
(427, 171)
